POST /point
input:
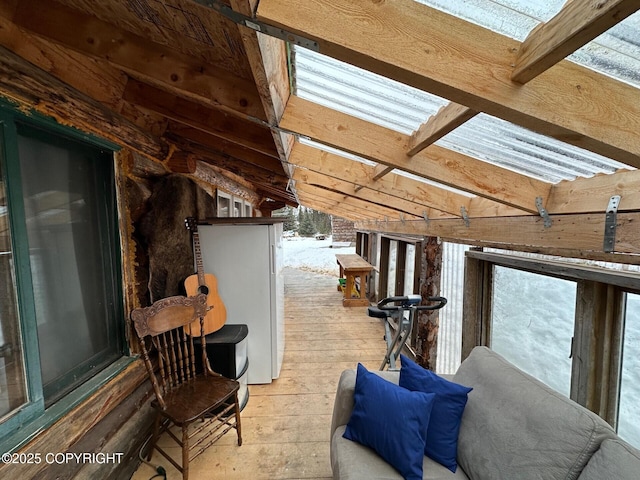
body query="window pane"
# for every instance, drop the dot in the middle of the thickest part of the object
(12, 373)
(224, 206)
(71, 260)
(532, 326)
(393, 259)
(629, 415)
(409, 271)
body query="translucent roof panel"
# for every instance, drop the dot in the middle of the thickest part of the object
(402, 108)
(615, 53)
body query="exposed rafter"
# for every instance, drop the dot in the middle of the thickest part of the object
(424, 195)
(346, 203)
(214, 122)
(375, 197)
(431, 50)
(575, 25)
(388, 147)
(445, 120)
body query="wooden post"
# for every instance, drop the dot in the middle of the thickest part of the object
(428, 321)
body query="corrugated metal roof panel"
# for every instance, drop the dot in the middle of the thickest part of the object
(615, 53)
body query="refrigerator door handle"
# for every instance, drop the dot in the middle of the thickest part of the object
(273, 259)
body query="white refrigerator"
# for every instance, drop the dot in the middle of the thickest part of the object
(245, 256)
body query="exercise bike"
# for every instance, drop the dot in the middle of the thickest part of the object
(393, 311)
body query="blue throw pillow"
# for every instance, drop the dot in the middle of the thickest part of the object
(391, 420)
(446, 414)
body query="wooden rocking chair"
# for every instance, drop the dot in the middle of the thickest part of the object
(182, 396)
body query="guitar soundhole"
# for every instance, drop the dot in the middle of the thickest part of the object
(203, 289)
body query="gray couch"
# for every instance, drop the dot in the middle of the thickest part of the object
(513, 428)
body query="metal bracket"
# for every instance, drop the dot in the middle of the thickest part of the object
(543, 212)
(426, 217)
(465, 216)
(258, 26)
(610, 224)
(402, 217)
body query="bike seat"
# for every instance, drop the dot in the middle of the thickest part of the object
(377, 313)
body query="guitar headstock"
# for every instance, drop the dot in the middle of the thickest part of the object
(191, 224)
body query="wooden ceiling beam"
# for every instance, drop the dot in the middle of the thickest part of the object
(370, 210)
(343, 203)
(431, 50)
(568, 235)
(214, 122)
(183, 136)
(593, 194)
(314, 204)
(303, 176)
(250, 173)
(576, 24)
(444, 121)
(388, 147)
(432, 199)
(156, 64)
(321, 204)
(268, 61)
(360, 174)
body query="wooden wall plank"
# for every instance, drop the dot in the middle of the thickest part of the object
(66, 432)
(34, 88)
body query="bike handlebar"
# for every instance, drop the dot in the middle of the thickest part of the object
(409, 301)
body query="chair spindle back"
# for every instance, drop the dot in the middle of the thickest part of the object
(167, 322)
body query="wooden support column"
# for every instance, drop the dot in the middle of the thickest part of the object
(597, 348)
(476, 304)
(428, 321)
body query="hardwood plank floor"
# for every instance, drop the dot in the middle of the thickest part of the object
(285, 425)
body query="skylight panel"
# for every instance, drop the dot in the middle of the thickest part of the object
(402, 108)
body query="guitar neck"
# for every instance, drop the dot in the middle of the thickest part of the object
(198, 255)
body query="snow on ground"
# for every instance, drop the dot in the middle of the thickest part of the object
(313, 255)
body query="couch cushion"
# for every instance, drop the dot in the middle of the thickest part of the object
(352, 461)
(444, 425)
(514, 426)
(391, 420)
(615, 459)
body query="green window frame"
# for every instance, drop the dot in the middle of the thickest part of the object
(46, 403)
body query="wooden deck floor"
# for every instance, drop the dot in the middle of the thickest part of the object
(285, 425)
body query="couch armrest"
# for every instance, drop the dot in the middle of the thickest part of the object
(343, 403)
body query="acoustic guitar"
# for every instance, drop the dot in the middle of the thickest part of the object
(205, 283)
